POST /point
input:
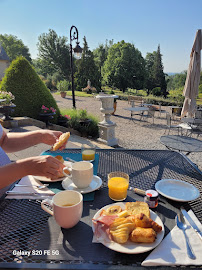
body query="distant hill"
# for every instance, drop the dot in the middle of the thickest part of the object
(171, 73)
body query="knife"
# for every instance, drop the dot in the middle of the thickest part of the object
(12, 192)
(191, 222)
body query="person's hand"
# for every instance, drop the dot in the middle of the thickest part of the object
(47, 166)
(50, 137)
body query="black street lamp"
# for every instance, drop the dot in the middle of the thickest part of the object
(78, 51)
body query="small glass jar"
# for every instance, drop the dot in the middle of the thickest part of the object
(151, 198)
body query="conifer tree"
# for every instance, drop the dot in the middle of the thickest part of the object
(159, 76)
(87, 70)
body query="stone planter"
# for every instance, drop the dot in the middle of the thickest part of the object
(107, 127)
(7, 110)
(63, 94)
(46, 117)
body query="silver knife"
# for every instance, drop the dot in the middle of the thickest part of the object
(191, 222)
(12, 192)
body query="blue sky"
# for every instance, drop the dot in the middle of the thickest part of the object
(145, 23)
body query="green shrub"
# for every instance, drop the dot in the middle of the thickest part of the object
(77, 115)
(63, 86)
(29, 90)
(157, 91)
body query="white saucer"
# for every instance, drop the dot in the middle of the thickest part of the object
(95, 184)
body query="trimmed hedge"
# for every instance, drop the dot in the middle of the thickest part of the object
(29, 90)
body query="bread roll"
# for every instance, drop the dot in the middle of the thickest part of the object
(143, 235)
(135, 208)
(62, 140)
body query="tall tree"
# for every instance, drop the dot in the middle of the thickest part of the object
(159, 75)
(14, 47)
(124, 67)
(54, 51)
(87, 70)
(154, 70)
(101, 53)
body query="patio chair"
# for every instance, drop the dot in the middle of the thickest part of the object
(151, 113)
(170, 126)
(196, 130)
(160, 110)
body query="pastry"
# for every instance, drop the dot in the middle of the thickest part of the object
(60, 158)
(143, 235)
(120, 230)
(141, 220)
(61, 141)
(113, 210)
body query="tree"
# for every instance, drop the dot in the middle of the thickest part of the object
(149, 65)
(159, 76)
(100, 54)
(124, 67)
(154, 70)
(54, 51)
(29, 90)
(176, 81)
(42, 67)
(87, 70)
(14, 47)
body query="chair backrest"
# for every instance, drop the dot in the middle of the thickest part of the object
(168, 118)
(151, 111)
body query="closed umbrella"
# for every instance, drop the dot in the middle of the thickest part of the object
(193, 78)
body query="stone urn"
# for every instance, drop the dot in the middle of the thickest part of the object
(7, 110)
(107, 127)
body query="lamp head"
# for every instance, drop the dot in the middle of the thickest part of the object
(78, 50)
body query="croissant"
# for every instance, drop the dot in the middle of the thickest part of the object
(143, 235)
(120, 230)
(141, 220)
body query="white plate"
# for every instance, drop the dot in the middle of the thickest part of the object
(95, 184)
(177, 190)
(45, 179)
(131, 247)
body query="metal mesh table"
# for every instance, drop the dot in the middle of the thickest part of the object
(25, 226)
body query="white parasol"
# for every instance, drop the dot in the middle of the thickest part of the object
(193, 78)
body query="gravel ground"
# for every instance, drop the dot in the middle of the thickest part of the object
(134, 134)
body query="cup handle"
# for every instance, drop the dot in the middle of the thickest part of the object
(45, 208)
(69, 169)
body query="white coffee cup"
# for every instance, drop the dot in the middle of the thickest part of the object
(67, 207)
(81, 173)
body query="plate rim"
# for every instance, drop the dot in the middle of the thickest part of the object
(110, 246)
(99, 181)
(174, 198)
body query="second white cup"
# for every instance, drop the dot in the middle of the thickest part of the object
(81, 173)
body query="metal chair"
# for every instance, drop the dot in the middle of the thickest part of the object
(169, 125)
(151, 113)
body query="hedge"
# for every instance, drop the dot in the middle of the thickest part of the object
(29, 90)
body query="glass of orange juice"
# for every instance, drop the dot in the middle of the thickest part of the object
(118, 183)
(88, 152)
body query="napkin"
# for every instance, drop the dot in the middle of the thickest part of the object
(172, 250)
(30, 180)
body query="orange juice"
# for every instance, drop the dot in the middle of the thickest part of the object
(88, 154)
(118, 188)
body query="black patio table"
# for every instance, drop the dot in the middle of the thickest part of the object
(24, 226)
(182, 143)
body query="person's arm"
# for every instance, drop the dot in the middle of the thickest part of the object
(41, 165)
(12, 142)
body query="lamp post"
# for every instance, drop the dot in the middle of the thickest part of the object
(77, 50)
